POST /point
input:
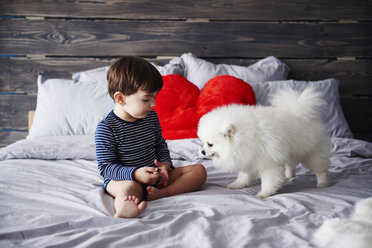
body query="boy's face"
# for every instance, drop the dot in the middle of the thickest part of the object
(138, 105)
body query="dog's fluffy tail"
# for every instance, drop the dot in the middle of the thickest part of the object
(305, 104)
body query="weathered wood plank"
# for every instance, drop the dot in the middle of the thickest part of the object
(358, 113)
(14, 111)
(367, 136)
(20, 74)
(8, 137)
(208, 9)
(355, 76)
(212, 39)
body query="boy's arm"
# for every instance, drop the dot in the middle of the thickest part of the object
(162, 152)
(105, 153)
(161, 147)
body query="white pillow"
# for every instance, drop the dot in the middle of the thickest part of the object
(100, 74)
(74, 107)
(65, 107)
(95, 75)
(332, 115)
(199, 71)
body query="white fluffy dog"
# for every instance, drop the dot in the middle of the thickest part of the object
(268, 141)
(355, 232)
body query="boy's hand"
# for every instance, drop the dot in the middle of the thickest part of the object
(163, 171)
(146, 175)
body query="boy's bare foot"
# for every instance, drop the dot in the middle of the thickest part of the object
(131, 207)
(154, 193)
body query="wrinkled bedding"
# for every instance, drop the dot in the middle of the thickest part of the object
(51, 196)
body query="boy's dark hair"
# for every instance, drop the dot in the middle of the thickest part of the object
(130, 74)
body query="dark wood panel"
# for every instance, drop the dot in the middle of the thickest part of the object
(367, 136)
(358, 113)
(212, 39)
(211, 9)
(14, 111)
(8, 137)
(20, 74)
(355, 76)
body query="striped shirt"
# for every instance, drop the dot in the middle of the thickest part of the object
(122, 147)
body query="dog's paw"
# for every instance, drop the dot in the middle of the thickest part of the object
(322, 185)
(236, 185)
(263, 194)
(289, 173)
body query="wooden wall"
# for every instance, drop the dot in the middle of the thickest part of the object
(318, 39)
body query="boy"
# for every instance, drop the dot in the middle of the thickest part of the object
(132, 155)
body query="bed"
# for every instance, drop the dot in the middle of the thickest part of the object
(51, 191)
(55, 57)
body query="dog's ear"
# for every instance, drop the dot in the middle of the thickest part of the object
(228, 130)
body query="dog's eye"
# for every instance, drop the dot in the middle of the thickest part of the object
(209, 144)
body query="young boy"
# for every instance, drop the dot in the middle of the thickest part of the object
(132, 155)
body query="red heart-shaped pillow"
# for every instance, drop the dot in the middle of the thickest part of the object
(180, 104)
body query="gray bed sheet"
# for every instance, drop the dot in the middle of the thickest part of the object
(51, 196)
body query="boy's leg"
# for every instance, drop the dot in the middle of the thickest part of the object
(128, 195)
(181, 180)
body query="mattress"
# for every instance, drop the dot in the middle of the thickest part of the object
(51, 196)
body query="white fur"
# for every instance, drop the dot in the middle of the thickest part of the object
(355, 232)
(268, 142)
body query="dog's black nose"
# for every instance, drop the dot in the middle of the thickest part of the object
(203, 152)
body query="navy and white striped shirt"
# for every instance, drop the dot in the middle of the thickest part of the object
(122, 147)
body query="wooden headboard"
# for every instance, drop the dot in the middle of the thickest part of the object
(318, 39)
